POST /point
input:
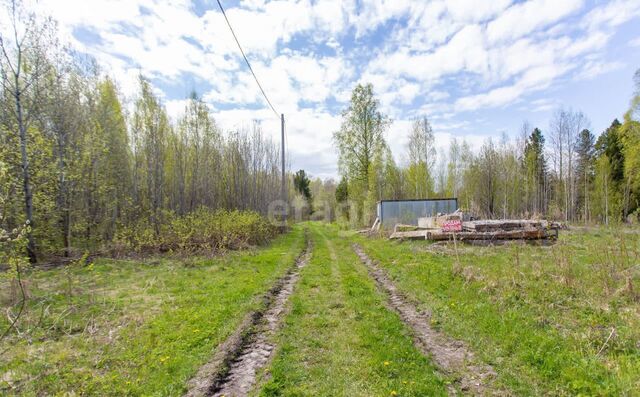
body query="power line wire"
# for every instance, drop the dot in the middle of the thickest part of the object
(246, 60)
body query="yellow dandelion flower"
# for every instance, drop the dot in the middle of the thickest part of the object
(386, 363)
(394, 393)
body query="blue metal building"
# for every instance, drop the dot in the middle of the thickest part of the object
(392, 212)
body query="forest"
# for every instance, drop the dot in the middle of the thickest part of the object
(80, 171)
(566, 172)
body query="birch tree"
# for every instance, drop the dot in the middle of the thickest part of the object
(360, 141)
(422, 157)
(151, 128)
(23, 68)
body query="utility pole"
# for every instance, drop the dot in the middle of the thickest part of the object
(284, 182)
(425, 125)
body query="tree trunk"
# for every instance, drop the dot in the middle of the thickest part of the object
(26, 176)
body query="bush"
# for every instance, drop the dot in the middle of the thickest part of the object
(201, 230)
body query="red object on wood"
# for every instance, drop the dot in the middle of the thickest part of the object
(452, 226)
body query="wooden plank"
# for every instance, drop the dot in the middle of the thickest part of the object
(410, 235)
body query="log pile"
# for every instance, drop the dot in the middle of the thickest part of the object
(489, 230)
(504, 225)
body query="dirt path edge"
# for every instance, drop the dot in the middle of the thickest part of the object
(211, 376)
(451, 356)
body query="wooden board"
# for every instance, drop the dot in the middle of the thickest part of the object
(410, 235)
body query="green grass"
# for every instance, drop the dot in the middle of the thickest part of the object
(133, 327)
(339, 335)
(539, 315)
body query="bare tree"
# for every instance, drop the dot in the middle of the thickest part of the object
(23, 67)
(566, 126)
(422, 154)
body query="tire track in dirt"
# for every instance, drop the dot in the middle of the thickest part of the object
(452, 356)
(234, 368)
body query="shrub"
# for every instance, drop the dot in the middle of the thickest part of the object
(201, 230)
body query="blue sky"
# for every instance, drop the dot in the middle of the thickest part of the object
(475, 68)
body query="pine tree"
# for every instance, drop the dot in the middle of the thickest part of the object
(535, 165)
(585, 171)
(609, 148)
(301, 184)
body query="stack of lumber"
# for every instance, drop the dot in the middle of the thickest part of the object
(493, 230)
(522, 234)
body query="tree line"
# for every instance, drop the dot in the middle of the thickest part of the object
(565, 173)
(77, 167)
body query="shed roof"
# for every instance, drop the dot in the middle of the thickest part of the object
(430, 199)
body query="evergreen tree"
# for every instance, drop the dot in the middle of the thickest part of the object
(610, 150)
(585, 171)
(301, 184)
(609, 144)
(535, 165)
(342, 198)
(342, 191)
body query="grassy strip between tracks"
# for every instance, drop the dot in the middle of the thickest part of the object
(339, 338)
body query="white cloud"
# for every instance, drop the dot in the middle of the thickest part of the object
(533, 80)
(465, 51)
(440, 58)
(523, 18)
(175, 108)
(593, 69)
(612, 14)
(475, 11)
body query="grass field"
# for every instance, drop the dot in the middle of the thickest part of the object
(555, 320)
(560, 320)
(133, 327)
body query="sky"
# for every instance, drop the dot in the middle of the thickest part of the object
(475, 68)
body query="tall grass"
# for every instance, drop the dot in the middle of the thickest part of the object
(558, 320)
